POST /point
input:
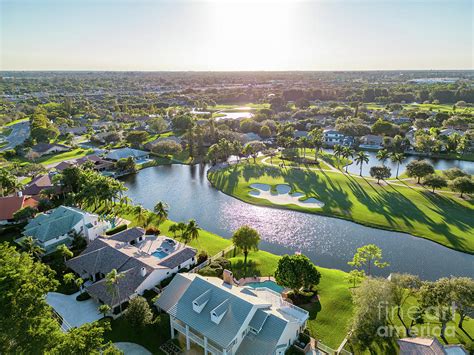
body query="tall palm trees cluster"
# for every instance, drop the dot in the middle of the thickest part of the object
(362, 158)
(187, 232)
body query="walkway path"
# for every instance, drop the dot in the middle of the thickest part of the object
(397, 182)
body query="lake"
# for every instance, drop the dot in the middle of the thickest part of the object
(329, 242)
(438, 164)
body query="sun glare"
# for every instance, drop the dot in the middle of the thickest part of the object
(252, 35)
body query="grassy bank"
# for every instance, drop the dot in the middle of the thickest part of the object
(445, 219)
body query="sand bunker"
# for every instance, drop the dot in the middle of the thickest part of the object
(282, 196)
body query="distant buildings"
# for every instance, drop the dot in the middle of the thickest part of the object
(124, 153)
(47, 148)
(143, 260)
(223, 318)
(40, 183)
(98, 163)
(57, 227)
(371, 141)
(334, 137)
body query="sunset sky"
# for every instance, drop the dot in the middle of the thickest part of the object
(235, 35)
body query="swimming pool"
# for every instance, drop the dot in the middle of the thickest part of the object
(160, 254)
(272, 285)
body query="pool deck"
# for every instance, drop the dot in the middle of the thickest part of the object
(245, 280)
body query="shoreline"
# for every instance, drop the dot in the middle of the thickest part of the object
(268, 204)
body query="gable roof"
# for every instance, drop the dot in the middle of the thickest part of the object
(10, 204)
(58, 222)
(238, 304)
(128, 235)
(38, 184)
(124, 153)
(421, 346)
(44, 147)
(177, 258)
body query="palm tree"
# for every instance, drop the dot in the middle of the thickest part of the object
(317, 140)
(246, 238)
(112, 280)
(360, 159)
(174, 228)
(29, 245)
(182, 227)
(303, 142)
(104, 309)
(347, 152)
(65, 252)
(383, 155)
(191, 232)
(338, 149)
(397, 158)
(161, 209)
(141, 215)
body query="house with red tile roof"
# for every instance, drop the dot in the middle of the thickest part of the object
(10, 204)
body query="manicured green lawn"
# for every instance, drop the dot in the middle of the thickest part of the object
(72, 154)
(445, 219)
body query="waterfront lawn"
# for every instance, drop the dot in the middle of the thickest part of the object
(443, 218)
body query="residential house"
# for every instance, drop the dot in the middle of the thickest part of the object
(143, 260)
(450, 131)
(57, 227)
(300, 134)
(428, 346)
(10, 204)
(400, 120)
(334, 137)
(371, 141)
(124, 153)
(250, 137)
(226, 319)
(40, 183)
(47, 148)
(77, 131)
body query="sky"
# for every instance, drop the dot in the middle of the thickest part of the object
(195, 35)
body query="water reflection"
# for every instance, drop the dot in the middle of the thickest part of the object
(329, 242)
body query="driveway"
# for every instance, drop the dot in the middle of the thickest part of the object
(132, 349)
(74, 313)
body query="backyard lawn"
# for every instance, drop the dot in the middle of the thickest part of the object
(443, 218)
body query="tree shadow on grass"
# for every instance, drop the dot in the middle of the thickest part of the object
(240, 270)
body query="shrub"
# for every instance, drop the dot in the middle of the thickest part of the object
(202, 257)
(83, 296)
(166, 282)
(117, 229)
(138, 313)
(152, 230)
(216, 268)
(167, 147)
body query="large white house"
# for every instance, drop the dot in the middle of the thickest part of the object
(226, 319)
(142, 260)
(57, 227)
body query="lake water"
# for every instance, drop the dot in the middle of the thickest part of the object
(439, 164)
(329, 242)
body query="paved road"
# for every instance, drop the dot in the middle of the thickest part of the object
(20, 132)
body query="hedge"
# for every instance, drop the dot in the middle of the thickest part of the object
(117, 229)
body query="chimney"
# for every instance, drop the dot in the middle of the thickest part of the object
(143, 271)
(228, 277)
